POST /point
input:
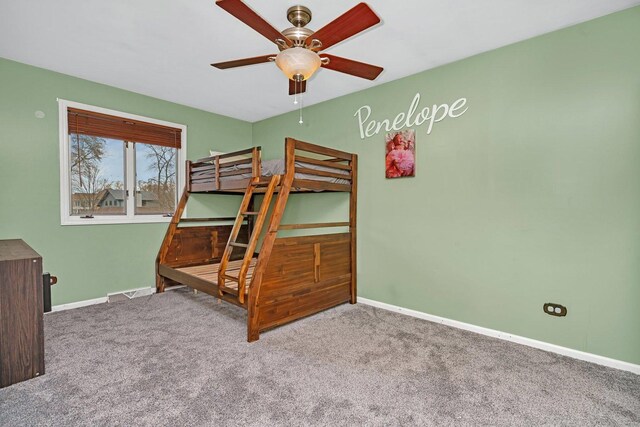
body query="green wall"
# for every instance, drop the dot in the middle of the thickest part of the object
(531, 196)
(90, 261)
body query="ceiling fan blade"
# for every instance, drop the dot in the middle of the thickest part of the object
(244, 13)
(242, 62)
(297, 87)
(350, 23)
(349, 66)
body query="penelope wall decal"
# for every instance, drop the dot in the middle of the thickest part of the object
(428, 116)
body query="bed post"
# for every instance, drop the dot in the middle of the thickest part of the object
(168, 237)
(217, 176)
(255, 172)
(188, 177)
(256, 162)
(353, 203)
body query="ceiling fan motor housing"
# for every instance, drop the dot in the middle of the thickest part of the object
(299, 16)
(297, 35)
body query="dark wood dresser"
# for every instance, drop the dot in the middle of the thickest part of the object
(21, 313)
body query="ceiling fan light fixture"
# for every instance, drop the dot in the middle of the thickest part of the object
(298, 63)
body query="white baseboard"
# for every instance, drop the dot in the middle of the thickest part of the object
(565, 351)
(131, 293)
(78, 304)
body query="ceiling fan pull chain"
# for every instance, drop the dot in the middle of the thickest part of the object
(301, 121)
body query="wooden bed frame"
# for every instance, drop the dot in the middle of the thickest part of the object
(284, 278)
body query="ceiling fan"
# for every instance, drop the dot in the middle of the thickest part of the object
(299, 46)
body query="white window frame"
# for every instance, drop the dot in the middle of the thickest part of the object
(65, 180)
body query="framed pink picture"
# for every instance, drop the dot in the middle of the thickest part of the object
(400, 157)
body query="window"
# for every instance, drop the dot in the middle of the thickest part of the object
(155, 179)
(116, 167)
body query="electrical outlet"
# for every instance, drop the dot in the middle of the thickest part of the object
(555, 309)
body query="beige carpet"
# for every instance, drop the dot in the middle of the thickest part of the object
(181, 359)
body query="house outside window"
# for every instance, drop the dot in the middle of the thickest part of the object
(117, 167)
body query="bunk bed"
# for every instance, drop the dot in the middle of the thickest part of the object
(276, 279)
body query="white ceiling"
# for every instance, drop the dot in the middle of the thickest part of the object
(163, 48)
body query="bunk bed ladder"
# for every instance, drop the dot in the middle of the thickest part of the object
(260, 216)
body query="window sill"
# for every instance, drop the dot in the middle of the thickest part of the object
(106, 220)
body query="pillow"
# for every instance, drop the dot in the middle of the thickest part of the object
(228, 159)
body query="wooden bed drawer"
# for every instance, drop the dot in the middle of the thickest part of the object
(199, 245)
(305, 275)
